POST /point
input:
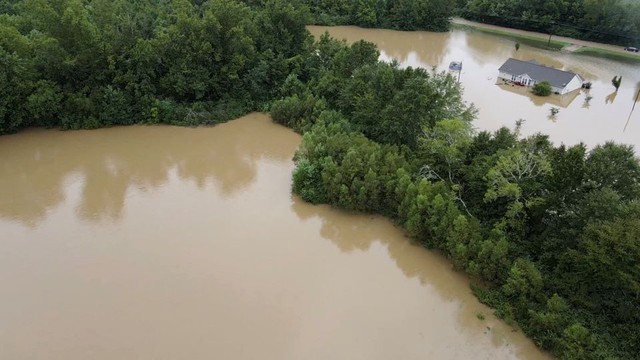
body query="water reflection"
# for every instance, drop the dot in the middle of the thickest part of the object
(361, 233)
(161, 251)
(556, 100)
(357, 232)
(416, 48)
(36, 165)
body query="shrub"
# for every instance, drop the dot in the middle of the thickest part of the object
(542, 88)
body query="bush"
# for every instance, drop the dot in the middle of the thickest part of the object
(298, 113)
(542, 89)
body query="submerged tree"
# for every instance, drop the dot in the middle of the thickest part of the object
(616, 82)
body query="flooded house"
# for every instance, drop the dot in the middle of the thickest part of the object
(529, 73)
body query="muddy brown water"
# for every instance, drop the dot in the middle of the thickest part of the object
(592, 122)
(179, 243)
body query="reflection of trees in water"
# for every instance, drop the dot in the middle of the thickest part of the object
(555, 100)
(611, 98)
(103, 194)
(113, 161)
(351, 232)
(428, 48)
(32, 184)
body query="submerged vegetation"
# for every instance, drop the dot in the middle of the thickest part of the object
(549, 233)
(542, 88)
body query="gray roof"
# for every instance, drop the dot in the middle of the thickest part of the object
(536, 71)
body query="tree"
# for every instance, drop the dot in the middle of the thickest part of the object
(366, 13)
(616, 167)
(616, 82)
(511, 178)
(542, 88)
(282, 27)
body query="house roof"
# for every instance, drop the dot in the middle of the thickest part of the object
(557, 78)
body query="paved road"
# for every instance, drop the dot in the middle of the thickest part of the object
(574, 43)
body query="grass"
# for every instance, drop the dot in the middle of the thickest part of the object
(480, 315)
(607, 54)
(521, 38)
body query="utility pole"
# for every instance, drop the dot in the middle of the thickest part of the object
(549, 42)
(633, 107)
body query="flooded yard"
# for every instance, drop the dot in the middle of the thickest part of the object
(590, 116)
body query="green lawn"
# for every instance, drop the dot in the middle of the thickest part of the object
(523, 39)
(607, 54)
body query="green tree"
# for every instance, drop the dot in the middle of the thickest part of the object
(524, 283)
(616, 82)
(542, 88)
(614, 166)
(282, 27)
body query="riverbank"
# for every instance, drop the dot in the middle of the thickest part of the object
(548, 41)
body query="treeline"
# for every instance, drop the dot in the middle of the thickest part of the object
(92, 63)
(549, 233)
(432, 15)
(608, 21)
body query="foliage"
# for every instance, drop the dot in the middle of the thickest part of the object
(542, 88)
(609, 21)
(430, 15)
(616, 82)
(84, 64)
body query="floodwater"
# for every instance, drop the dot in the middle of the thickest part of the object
(180, 243)
(593, 122)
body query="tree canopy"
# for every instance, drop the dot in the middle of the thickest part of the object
(430, 15)
(85, 64)
(608, 21)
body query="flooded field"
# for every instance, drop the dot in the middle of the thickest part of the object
(593, 121)
(179, 243)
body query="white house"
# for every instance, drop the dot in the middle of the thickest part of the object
(529, 73)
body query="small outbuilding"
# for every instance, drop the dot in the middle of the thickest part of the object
(529, 73)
